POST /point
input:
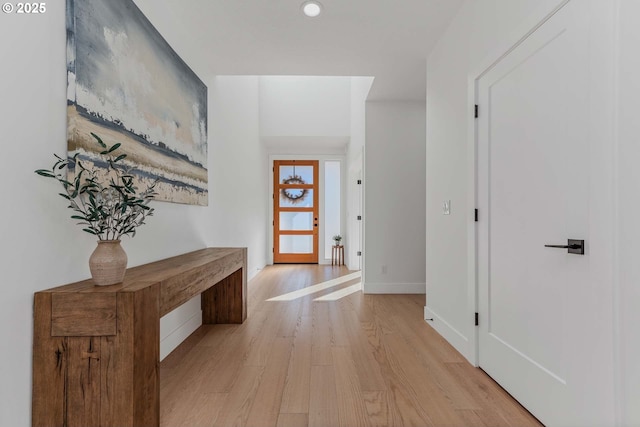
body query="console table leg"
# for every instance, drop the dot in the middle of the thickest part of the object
(83, 382)
(49, 367)
(225, 302)
(130, 394)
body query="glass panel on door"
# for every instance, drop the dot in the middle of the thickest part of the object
(296, 244)
(296, 198)
(290, 174)
(296, 221)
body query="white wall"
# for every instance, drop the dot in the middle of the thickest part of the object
(41, 246)
(305, 106)
(628, 184)
(239, 187)
(360, 87)
(305, 114)
(394, 186)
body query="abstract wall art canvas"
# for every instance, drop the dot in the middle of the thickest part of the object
(127, 85)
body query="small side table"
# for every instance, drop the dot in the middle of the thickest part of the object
(337, 255)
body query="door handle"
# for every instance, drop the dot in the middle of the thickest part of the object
(573, 246)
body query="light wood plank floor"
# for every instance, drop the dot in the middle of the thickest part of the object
(359, 360)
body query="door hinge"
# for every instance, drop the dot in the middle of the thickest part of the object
(359, 181)
(273, 223)
(476, 215)
(359, 253)
(359, 217)
(477, 322)
(273, 250)
(475, 111)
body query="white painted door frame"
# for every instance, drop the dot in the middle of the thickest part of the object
(355, 197)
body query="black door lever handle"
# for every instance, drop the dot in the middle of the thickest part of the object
(573, 246)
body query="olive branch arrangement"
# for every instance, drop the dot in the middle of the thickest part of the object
(108, 208)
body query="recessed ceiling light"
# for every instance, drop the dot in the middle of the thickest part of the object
(311, 8)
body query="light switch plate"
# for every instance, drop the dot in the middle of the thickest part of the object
(446, 207)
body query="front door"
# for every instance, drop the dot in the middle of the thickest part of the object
(539, 332)
(295, 211)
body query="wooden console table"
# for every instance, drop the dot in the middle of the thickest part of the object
(96, 349)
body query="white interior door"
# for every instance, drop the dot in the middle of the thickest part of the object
(534, 189)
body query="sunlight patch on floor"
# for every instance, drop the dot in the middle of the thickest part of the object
(344, 292)
(318, 287)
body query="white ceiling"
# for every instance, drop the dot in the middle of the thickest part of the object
(387, 39)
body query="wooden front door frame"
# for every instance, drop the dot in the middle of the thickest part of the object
(311, 258)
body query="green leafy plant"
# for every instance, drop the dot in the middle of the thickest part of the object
(107, 204)
(337, 238)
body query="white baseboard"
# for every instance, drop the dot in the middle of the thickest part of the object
(394, 288)
(175, 338)
(448, 332)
